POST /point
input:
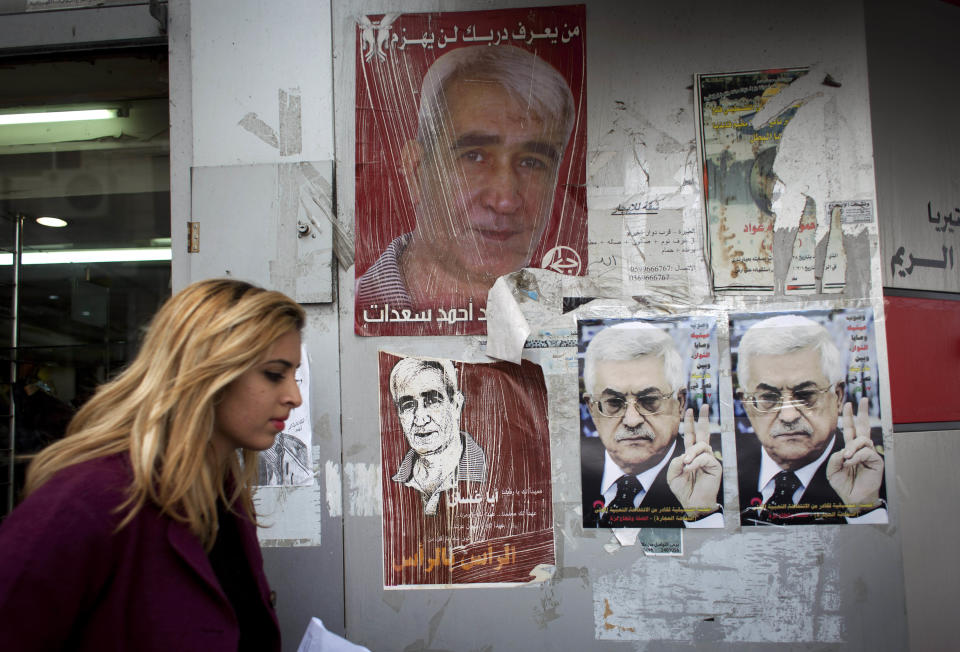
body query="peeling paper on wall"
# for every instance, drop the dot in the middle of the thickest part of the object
(542, 573)
(555, 350)
(775, 151)
(755, 588)
(815, 265)
(808, 224)
(331, 472)
(513, 303)
(290, 516)
(507, 328)
(363, 489)
(626, 536)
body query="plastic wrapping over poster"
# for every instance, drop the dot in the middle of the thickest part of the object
(650, 449)
(470, 161)
(466, 470)
(807, 406)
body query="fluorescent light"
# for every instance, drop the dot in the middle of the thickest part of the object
(56, 116)
(55, 222)
(90, 256)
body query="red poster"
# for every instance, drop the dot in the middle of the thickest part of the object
(470, 161)
(465, 471)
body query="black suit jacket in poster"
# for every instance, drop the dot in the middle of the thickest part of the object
(822, 504)
(660, 507)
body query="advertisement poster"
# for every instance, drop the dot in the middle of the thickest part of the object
(466, 472)
(807, 411)
(470, 161)
(650, 450)
(739, 183)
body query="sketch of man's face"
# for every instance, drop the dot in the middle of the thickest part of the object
(485, 194)
(430, 419)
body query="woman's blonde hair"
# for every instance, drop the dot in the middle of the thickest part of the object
(160, 410)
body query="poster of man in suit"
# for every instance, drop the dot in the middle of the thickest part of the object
(809, 442)
(650, 450)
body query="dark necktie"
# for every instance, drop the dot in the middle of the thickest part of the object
(627, 489)
(785, 484)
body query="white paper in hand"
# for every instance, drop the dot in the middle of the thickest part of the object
(318, 638)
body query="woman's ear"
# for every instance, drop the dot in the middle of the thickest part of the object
(410, 156)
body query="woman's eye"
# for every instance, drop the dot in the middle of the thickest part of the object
(273, 376)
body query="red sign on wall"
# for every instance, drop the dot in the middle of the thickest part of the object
(923, 340)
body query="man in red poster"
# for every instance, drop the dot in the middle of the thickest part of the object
(465, 472)
(441, 455)
(493, 126)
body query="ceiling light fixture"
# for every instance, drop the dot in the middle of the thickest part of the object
(56, 116)
(54, 222)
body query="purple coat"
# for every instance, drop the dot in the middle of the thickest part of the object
(68, 582)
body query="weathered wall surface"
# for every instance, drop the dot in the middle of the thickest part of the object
(260, 101)
(819, 588)
(807, 588)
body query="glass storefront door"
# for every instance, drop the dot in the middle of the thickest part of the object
(84, 234)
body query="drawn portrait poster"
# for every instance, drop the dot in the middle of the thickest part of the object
(737, 158)
(791, 382)
(636, 383)
(466, 472)
(470, 161)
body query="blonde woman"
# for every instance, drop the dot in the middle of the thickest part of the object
(138, 530)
